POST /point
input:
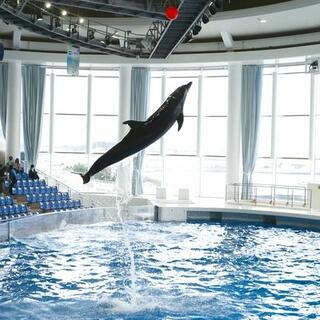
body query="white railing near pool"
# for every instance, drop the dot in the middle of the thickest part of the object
(269, 195)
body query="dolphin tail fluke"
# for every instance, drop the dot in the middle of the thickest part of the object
(85, 177)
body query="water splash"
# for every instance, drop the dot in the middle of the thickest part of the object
(122, 201)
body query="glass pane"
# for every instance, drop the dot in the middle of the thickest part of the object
(70, 133)
(292, 69)
(155, 95)
(215, 96)
(216, 72)
(70, 95)
(47, 95)
(105, 73)
(214, 136)
(266, 99)
(263, 172)
(44, 137)
(183, 141)
(43, 163)
(105, 96)
(104, 181)
(191, 103)
(317, 137)
(154, 148)
(104, 133)
(293, 172)
(293, 94)
(264, 143)
(183, 73)
(213, 177)
(152, 174)
(182, 172)
(293, 143)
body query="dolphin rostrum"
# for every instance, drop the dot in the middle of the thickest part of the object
(144, 133)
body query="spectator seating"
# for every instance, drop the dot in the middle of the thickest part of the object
(10, 210)
(35, 191)
(60, 205)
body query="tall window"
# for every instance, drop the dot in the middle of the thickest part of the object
(80, 123)
(194, 157)
(286, 154)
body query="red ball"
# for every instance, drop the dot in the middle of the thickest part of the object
(172, 13)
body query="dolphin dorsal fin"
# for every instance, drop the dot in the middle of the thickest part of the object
(134, 124)
(180, 121)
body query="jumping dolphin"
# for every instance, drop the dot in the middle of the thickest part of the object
(144, 133)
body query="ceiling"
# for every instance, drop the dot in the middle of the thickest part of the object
(295, 21)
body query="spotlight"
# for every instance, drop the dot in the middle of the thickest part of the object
(57, 23)
(205, 18)
(107, 40)
(39, 16)
(187, 38)
(197, 28)
(90, 34)
(74, 29)
(64, 13)
(212, 9)
(81, 20)
(48, 5)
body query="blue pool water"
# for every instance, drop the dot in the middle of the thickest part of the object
(162, 271)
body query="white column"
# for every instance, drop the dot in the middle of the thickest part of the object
(234, 121)
(14, 110)
(124, 170)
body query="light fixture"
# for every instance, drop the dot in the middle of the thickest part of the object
(212, 9)
(81, 20)
(261, 20)
(57, 22)
(107, 40)
(48, 5)
(187, 38)
(74, 29)
(90, 34)
(205, 18)
(197, 28)
(64, 13)
(39, 16)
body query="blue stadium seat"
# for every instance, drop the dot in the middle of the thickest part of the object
(36, 189)
(19, 177)
(5, 211)
(19, 190)
(36, 183)
(58, 196)
(42, 183)
(29, 197)
(23, 208)
(7, 183)
(77, 203)
(65, 195)
(16, 209)
(19, 183)
(64, 204)
(24, 183)
(54, 189)
(11, 209)
(8, 200)
(2, 201)
(43, 189)
(30, 183)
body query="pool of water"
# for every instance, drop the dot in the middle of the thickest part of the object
(162, 271)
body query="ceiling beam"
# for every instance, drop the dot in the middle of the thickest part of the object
(123, 7)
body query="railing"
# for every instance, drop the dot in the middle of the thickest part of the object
(270, 195)
(86, 200)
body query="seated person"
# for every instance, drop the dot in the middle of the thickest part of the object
(33, 174)
(17, 166)
(2, 175)
(12, 178)
(10, 162)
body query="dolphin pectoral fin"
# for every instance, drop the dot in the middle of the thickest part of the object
(180, 121)
(134, 124)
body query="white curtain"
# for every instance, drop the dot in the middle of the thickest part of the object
(33, 78)
(250, 121)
